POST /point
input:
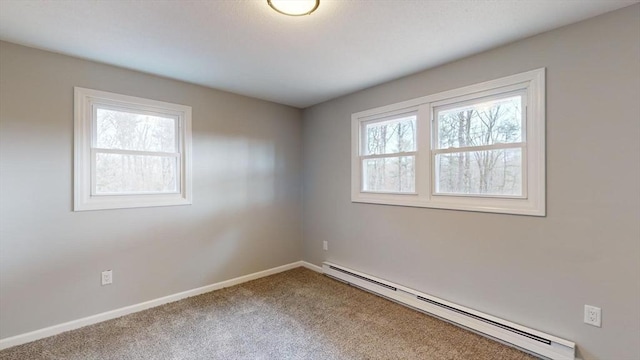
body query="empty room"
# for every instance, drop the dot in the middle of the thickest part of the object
(320, 179)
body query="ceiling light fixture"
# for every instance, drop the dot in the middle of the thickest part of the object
(294, 7)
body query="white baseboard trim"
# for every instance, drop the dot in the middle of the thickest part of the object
(94, 319)
(313, 267)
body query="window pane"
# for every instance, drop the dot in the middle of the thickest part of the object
(117, 173)
(491, 172)
(393, 174)
(483, 123)
(391, 136)
(131, 131)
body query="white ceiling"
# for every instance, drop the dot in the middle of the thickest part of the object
(243, 46)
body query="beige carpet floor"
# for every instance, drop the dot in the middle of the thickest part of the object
(298, 314)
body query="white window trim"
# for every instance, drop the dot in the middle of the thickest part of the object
(84, 101)
(533, 82)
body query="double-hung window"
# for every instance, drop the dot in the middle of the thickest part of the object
(389, 154)
(478, 148)
(130, 152)
(479, 145)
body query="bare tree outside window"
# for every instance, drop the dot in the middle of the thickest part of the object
(480, 147)
(139, 163)
(391, 145)
(483, 148)
(130, 152)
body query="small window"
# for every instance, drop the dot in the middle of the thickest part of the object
(478, 148)
(388, 164)
(130, 152)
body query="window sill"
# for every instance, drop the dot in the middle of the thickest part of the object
(490, 205)
(126, 202)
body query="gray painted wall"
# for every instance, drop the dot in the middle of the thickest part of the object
(246, 212)
(245, 217)
(538, 272)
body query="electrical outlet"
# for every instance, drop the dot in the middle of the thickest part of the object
(107, 277)
(325, 245)
(592, 315)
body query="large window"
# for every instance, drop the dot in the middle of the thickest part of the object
(130, 152)
(478, 148)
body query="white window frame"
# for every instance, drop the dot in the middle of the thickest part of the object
(377, 119)
(532, 202)
(86, 101)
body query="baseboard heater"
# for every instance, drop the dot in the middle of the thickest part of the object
(529, 340)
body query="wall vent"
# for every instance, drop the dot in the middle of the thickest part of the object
(529, 340)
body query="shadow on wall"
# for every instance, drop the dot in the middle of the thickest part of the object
(245, 197)
(238, 172)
